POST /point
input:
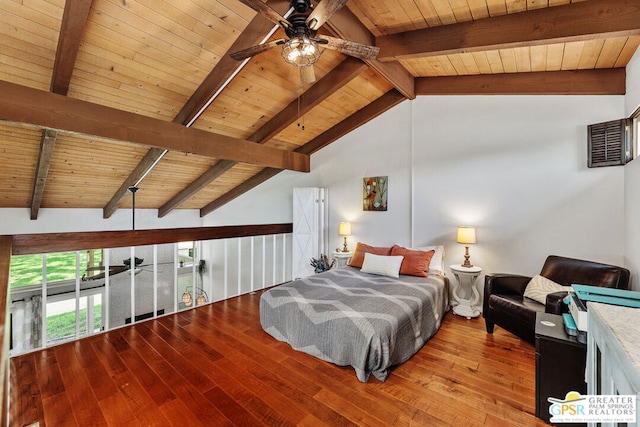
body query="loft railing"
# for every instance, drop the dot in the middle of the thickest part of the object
(5, 261)
(237, 260)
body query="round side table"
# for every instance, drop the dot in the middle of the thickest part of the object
(464, 291)
(342, 258)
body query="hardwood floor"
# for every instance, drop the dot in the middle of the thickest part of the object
(215, 366)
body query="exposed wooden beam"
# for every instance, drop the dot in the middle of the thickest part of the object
(321, 90)
(215, 171)
(257, 29)
(149, 159)
(47, 143)
(560, 24)
(43, 109)
(74, 19)
(247, 185)
(371, 111)
(346, 71)
(354, 121)
(28, 244)
(582, 82)
(214, 82)
(347, 26)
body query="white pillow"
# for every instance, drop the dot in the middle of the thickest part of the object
(381, 264)
(437, 260)
(539, 286)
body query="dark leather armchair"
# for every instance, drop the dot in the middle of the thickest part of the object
(505, 305)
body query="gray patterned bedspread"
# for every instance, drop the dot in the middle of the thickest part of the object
(352, 318)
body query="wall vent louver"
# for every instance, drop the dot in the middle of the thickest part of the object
(609, 143)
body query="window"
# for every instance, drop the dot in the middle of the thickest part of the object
(61, 316)
(53, 280)
(26, 270)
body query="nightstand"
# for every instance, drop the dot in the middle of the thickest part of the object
(464, 291)
(560, 364)
(342, 258)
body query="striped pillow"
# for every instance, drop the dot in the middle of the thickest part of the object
(539, 286)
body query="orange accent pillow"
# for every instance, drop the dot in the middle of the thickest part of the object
(415, 263)
(358, 256)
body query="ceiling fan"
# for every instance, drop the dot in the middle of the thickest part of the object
(302, 49)
(113, 269)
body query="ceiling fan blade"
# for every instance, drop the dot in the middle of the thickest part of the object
(359, 50)
(255, 50)
(267, 11)
(323, 11)
(307, 75)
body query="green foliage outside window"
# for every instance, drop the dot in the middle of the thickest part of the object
(26, 270)
(63, 326)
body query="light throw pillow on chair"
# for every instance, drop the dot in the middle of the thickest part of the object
(382, 265)
(539, 287)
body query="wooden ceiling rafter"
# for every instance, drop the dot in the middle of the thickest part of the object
(581, 82)
(321, 90)
(199, 100)
(37, 108)
(74, 19)
(357, 119)
(559, 24)
(152, 156)
(47, 144)
(347, 26)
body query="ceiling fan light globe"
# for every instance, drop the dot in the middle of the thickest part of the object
(300, 52)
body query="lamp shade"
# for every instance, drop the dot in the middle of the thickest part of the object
(344, 229)
(466, 235)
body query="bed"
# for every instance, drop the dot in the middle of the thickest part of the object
(349, 317)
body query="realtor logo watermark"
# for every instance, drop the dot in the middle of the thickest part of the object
(576, 408)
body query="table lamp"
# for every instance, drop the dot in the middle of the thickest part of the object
(345, 230)
(466, 236)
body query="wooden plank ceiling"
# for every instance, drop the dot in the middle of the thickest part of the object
(142, 74)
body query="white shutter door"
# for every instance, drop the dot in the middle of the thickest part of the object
(323, 223)
(306, 218)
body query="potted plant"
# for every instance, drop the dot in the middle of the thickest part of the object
(322, 264)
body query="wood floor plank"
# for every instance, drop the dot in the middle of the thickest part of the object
(135, 396)
(283, 411)
(236, 386)
(152, 333)
(48, 372)
(78, 387)
(57, 411)
(214, 365)
(101, 383)
(26, 404)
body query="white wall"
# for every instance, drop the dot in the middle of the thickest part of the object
(632, 180)
(382, 147)
(514, 167)
(16, 221)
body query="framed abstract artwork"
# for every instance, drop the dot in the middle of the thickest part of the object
(374, 193)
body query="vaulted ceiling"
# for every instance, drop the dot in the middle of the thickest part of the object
(97, 96)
